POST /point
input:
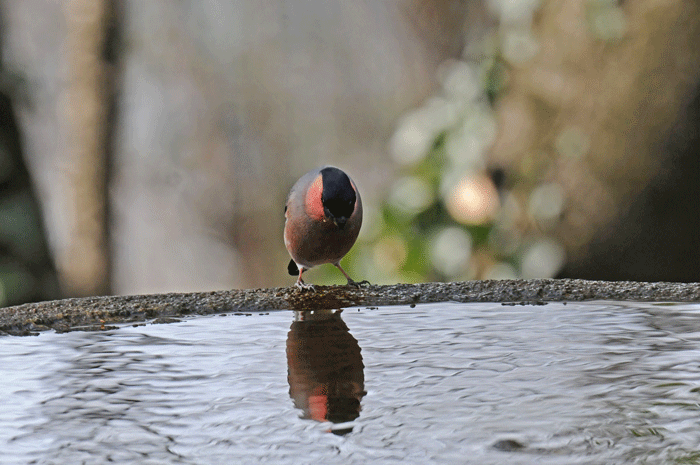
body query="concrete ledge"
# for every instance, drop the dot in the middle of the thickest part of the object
(94, 313)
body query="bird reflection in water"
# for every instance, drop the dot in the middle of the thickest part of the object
(326, 374)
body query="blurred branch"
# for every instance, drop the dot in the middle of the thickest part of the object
(84, 265)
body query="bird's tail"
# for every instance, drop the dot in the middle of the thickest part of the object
(292, 268)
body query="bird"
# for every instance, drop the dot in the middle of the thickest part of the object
(323, 216)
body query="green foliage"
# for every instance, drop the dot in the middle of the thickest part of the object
(495, 78)
(445, 217)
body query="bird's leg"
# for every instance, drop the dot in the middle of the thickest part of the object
(301, 284)
(351, 282)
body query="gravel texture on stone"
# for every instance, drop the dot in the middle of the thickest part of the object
(98, 313)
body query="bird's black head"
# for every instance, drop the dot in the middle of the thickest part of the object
(338, 195)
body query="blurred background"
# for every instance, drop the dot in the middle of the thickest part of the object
(148, 146)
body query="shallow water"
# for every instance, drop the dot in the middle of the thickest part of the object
(585, 383)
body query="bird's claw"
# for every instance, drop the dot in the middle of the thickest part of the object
(305, 287)
(353, 283)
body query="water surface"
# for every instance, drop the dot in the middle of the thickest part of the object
(596, 382)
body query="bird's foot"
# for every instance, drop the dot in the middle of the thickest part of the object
(353, 283)
(305, 287)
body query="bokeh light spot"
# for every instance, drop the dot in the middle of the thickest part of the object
(389, 253)
(411, 195)
(543, 259)
(450, 251)
(473, 200)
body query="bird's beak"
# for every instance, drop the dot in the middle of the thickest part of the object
(340, 222)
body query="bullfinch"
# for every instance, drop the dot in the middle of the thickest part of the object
(323, 216)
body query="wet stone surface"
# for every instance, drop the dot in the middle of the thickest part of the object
(96, 313)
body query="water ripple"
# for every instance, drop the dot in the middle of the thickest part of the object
(595, 382)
